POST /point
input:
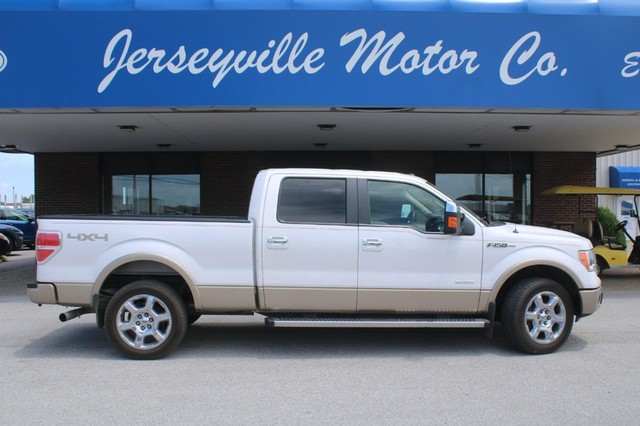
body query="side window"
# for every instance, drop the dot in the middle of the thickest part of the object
(401, 204)
(308, 200)
(15, 216)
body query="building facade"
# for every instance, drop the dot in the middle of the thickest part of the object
(172, 107)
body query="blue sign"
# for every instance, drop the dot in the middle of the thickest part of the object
(624, 177)
(77, 59)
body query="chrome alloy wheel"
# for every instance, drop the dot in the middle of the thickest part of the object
(545, 317)
(144, 322)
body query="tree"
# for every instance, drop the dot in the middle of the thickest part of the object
(609, 222)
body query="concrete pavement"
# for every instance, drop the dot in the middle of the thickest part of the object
(231, 370)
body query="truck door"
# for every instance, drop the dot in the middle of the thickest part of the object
(309, 244)
(407, 264)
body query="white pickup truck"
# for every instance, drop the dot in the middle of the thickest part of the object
(320, 248)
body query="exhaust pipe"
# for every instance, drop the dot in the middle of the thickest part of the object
(74, 313)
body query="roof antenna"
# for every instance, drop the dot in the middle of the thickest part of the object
(515, 225)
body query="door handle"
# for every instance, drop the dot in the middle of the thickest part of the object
(277, 240)
(372, 242)
(277, 243)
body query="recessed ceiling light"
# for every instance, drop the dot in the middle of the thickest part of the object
(129, 128)
(321, 145)
(474, 145)
(326, 127)
(521, 129)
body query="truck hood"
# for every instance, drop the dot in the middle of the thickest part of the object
(510, 232)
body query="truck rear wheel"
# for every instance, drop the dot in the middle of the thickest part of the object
(146, 320)
(537, 315)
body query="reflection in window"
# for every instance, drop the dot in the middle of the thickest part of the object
(177, 194)
(313, 201)
(393, 203)
(13, 215)
(496, 197)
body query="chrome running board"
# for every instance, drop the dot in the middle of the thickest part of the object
(368, 322)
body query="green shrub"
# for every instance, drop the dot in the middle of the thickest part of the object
(609, 222)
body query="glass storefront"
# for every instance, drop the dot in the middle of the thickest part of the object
(495, 197)
(151, 183)
(155, 194)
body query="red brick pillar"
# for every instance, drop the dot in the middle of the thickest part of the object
(562, 168)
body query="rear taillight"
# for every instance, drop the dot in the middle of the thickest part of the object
(47, 244)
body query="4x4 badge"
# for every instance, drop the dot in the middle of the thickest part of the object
(88, 237)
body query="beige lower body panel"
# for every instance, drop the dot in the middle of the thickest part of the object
(310, 299)
(72, 294)
(371, 300)
(418, 301)
(227, 298)
(42, 293)
(591, 300)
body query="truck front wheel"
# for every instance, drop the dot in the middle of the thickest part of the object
(146, 319)
(537, 315)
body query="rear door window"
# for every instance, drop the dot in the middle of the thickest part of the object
(310, 200)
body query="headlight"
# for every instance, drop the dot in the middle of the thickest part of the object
(588, 259)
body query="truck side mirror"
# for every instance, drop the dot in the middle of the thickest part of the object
(452, 219)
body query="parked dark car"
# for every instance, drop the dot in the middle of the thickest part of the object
(14, 235)
(30, 213)
(5, 245)
(22, 222)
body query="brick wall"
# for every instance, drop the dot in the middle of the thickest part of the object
(67, 183)
(562, 168)
(226, 181)
(227, 177)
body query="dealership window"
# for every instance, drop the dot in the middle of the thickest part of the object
(496, 186)
(151, 184)
(155, 194)
(495, 197)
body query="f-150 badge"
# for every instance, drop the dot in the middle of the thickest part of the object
(500, 245)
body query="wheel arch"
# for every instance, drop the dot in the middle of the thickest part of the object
(539, 271)
(131, 268)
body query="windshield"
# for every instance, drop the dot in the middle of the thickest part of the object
(468, 212)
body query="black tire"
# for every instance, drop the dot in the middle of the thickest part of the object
(146, 319)
(537, 316)
(193, 317)
(602, 265)
(12, 246)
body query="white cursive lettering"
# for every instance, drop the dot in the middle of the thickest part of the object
(288, 57)
(632, 69)
(427, 61)
(545, 65)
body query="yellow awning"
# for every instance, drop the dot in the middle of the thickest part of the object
(589, 190)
